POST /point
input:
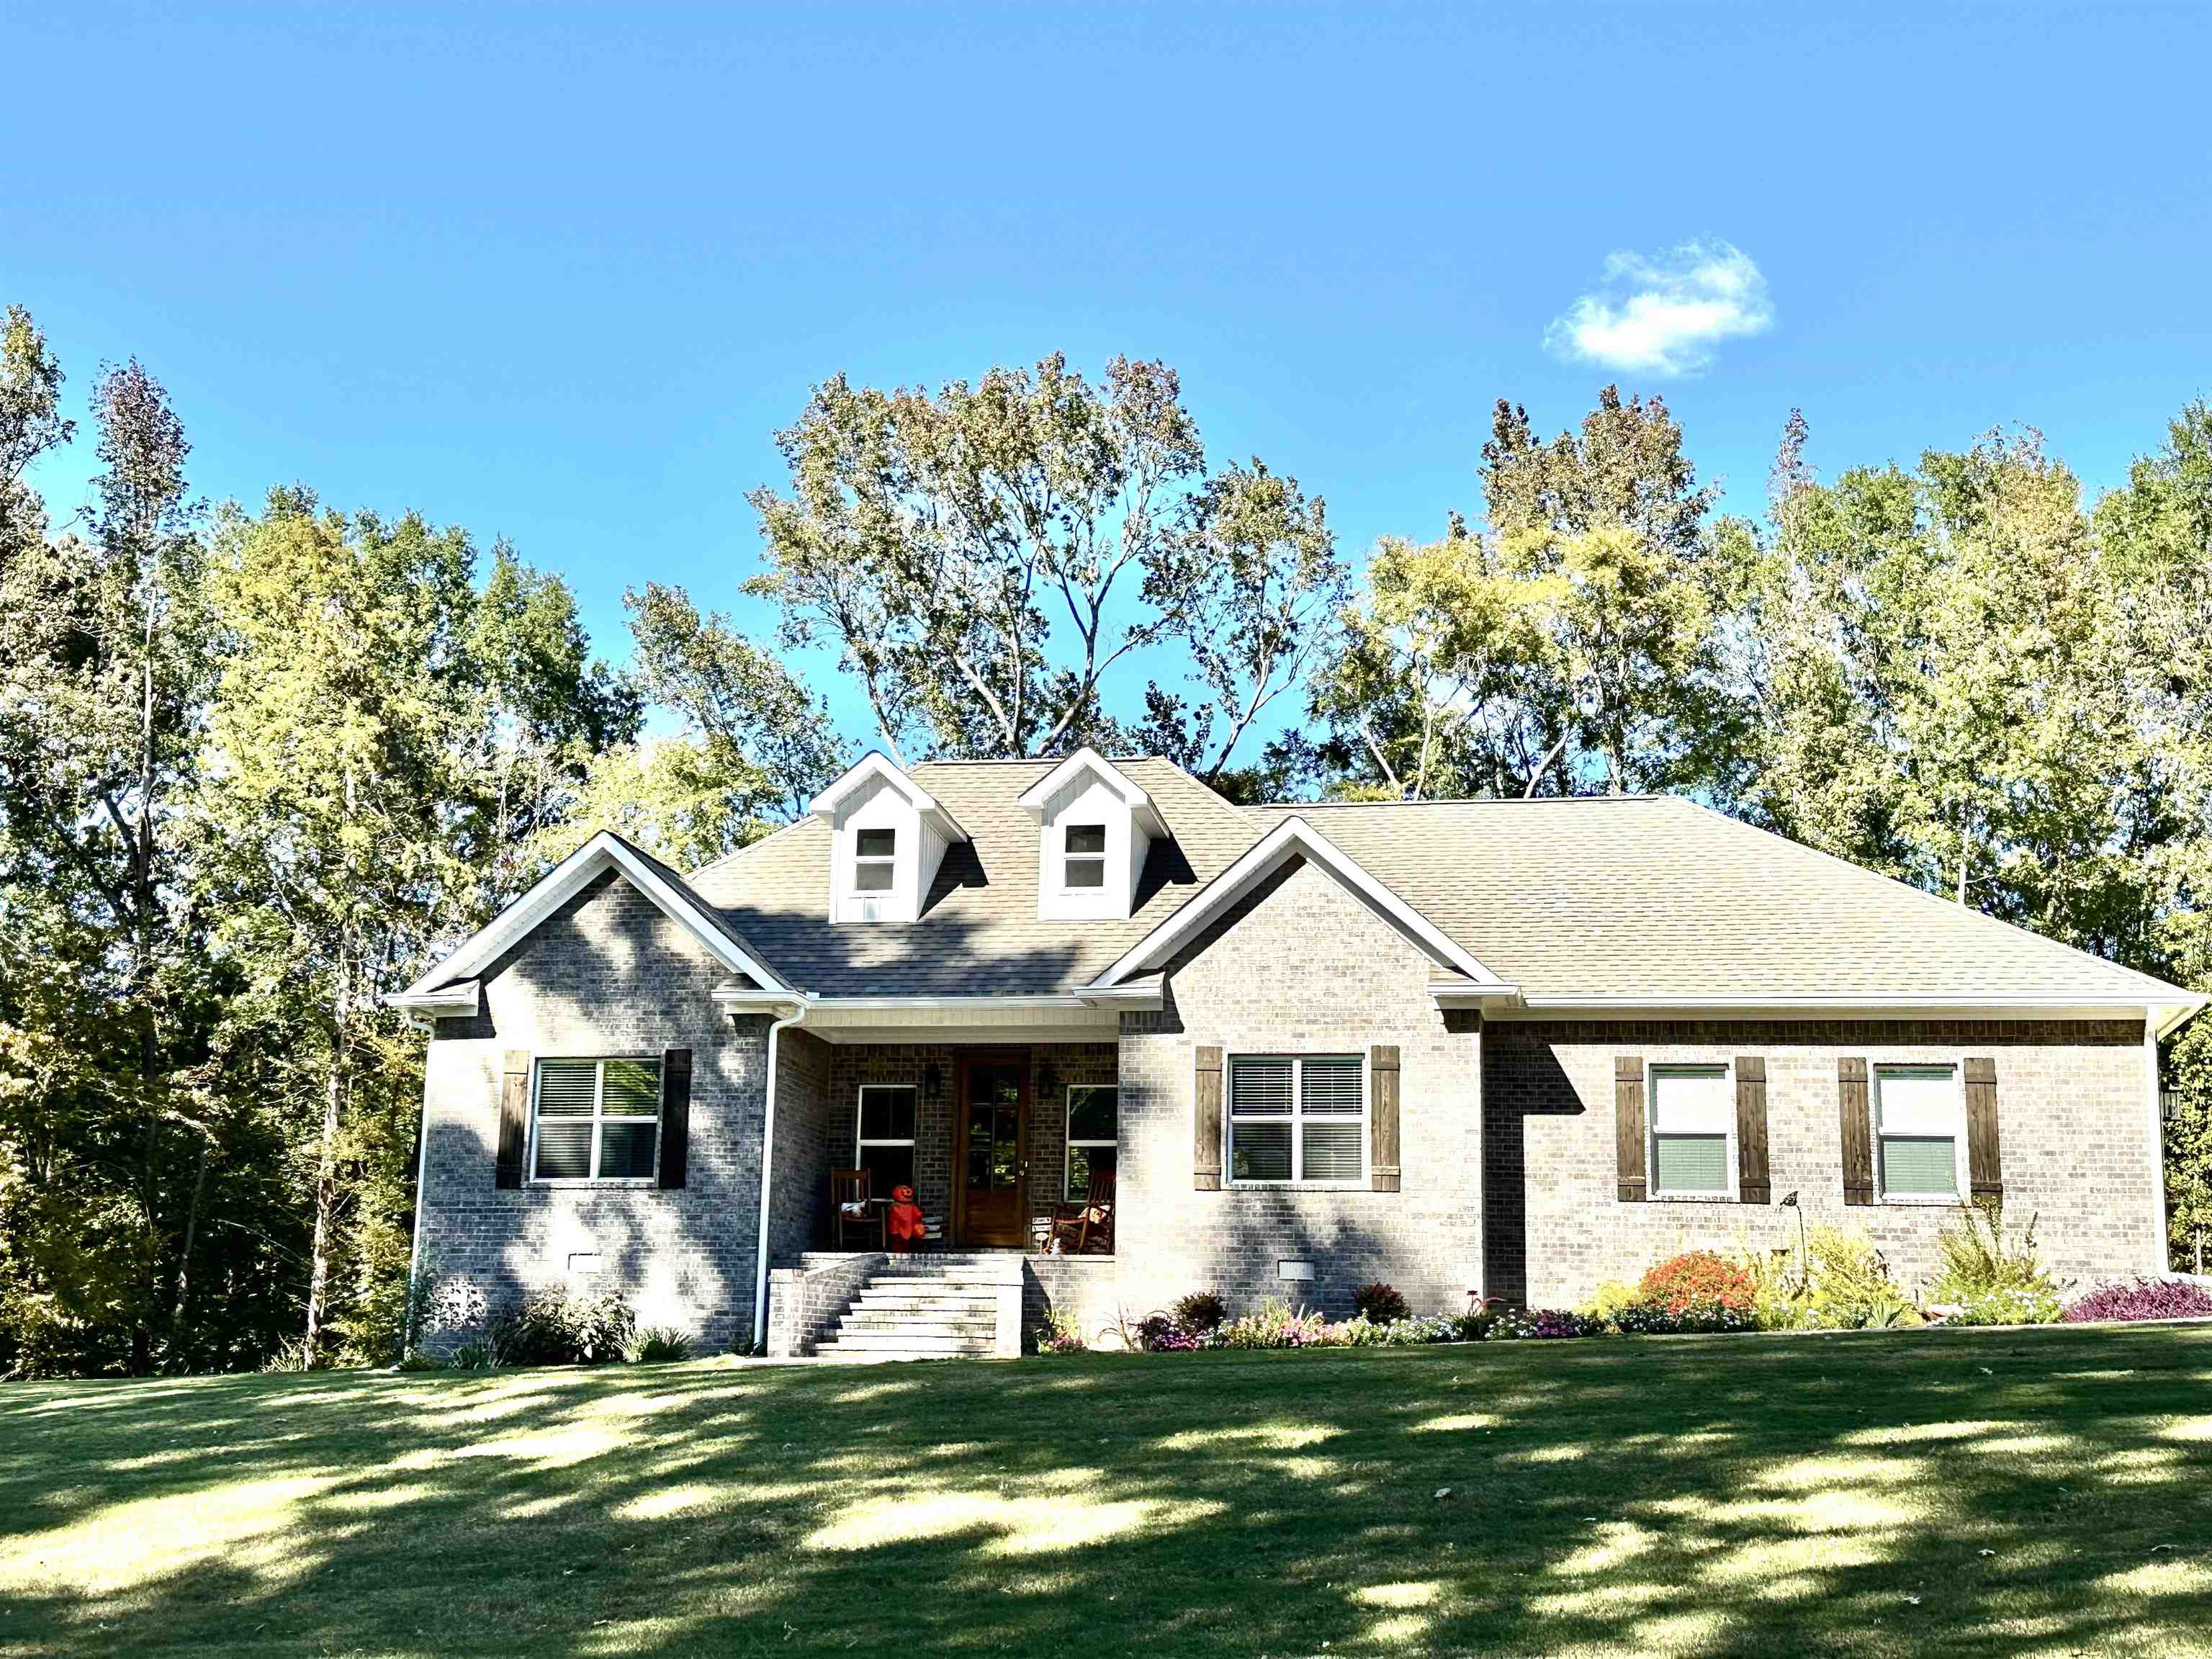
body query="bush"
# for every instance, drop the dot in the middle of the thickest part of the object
(421, 1362)
(1201, 1310)
(550, 1329)
(1516, 1324)
(471, 1357)
(1061, 1335)
(659, 1344)
(1851, 1289)
(1651, 1318)
(1781, 1297)
(1989, 1273)
(1380, 1304)
(1162, 1333)
(1697, 1279)
(1611, 1300)
(1274, 1324)
(2142, 1298)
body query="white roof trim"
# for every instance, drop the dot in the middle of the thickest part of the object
(1920, 1005)
(1291, 838)
(602, 853)
(1033, 798)
(873, 765)
(461, 1000)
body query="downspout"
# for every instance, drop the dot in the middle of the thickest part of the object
(767, 1172)
(421, 1170)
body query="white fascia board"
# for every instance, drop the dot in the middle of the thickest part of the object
(1087, 759)
(1501, 995)
(875, 764)
(1916, 1005)
(602, 853)
(461, 1000)
(1292, 838)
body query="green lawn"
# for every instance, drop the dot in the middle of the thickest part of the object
(2045, 1492)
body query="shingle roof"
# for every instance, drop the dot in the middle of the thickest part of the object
(1654, 896)
(1648, 897)
(979, 933)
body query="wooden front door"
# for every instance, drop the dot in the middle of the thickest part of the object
(990, 1160)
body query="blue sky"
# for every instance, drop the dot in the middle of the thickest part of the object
(559, 275)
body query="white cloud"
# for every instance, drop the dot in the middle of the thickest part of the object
(1665, 314)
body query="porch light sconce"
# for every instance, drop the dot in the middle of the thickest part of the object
(932, 1080)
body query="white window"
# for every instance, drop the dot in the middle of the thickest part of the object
(595, 1120)
(1298, 1118)
(1092, 1110)
(874, 854)
(1693, 1132)
(885, 1137)
(1920, 1126)
(1085, 863)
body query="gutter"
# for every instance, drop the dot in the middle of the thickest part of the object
(776, 1028)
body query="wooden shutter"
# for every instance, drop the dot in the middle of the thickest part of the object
(513, 1119)
(1983, 1169)
(1205, 1122)
(1751, 1184)
(1382, 1113)
(1628, 1124)
(1857, 1130)
(675, 1114)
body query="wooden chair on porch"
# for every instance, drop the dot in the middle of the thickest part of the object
(1087, 1222)
(853, 1212)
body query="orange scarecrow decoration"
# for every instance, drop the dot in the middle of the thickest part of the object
(906, 1219)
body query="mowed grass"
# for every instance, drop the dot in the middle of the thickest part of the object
(2042, 1491)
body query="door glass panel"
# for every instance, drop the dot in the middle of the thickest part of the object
(995, 1127)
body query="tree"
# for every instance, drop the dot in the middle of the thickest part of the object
(982, 559)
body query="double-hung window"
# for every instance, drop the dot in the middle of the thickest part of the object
(874, 857)
(1693, 1132)
(1920, 1125)
(885, 1138)
(1091, 1111)
(1086, 863)
(595, 1120)
(1299, 1118)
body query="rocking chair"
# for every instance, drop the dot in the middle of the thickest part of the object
(852, 1210)
(1092, 1217)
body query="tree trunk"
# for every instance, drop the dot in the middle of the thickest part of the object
(326, 1197)
(185, 1253)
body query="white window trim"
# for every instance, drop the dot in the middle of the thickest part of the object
(1069, 1143)
(860, 1146)
(1068, 888)
(599, 1063)
(1231, 1118)
(872, 860)
(1962, 1188)
(1660, 1195)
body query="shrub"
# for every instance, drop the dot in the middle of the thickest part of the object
(549, 1329)
(1697, 1279)
(1201, 1310)
(1986, 1270)
(1610, 1300)
(2009, 1306)
(1474, 1325)
(1162, 1333)
(1274, 1324)
(1652, 1318)
(2142, 1298)
(1851, 1289)
(1515, 1324)
(472, 1357)
(421, 1362)
(657, 1345)
(1379, 1304)
(1781, 1296)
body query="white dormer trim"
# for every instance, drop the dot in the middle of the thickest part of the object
(1039, 794)
(871, 799)
(437, 991)
(1086, 791)
(1293, 838)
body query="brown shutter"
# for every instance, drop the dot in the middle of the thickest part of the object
(1205, 1115)
(1628, 1124)
(1382, 1109)
(1982, 1166)
(1751, 1179)
(675, 1114)
(513, 1119)
(1858, 1131)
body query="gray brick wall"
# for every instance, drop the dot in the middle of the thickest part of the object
(2074, 1126)
(1301, 967)
(606, 974)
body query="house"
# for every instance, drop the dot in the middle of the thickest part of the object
(1508, 1048)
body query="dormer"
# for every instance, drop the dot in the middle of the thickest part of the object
(887, 836)
(1094, 828)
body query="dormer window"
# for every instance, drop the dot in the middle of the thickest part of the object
(1095, 828)
(875, 857)
(887, 838)
(1086, 863)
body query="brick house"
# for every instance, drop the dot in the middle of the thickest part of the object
(1504, 1048)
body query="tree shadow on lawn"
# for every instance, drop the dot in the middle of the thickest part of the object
(1972, 1492)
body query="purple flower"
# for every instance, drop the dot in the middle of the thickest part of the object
(2142, 1298)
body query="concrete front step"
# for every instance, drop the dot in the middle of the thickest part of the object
(980, 1330)
(903, 1342)
(875, 1296)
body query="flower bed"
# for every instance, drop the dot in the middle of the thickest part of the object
(2142, 1298)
